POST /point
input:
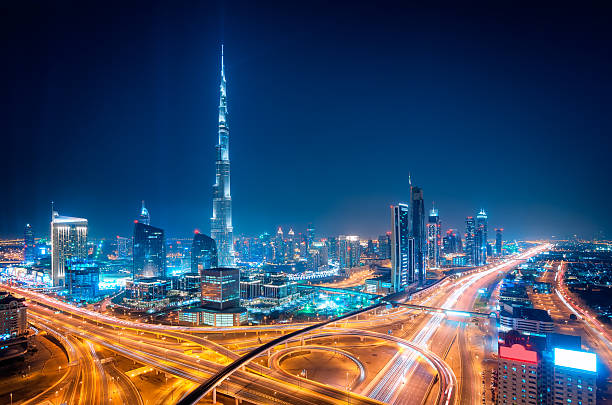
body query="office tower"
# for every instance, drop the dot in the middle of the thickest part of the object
(13, 318)
(291, 244)
(332, 248)
(402, 248)
(548, 369)
(29, 246)
(149, 252)
(144, 217)
(220, 296)
(82, 279)
(349, 251)
(451, 242)
(574, 376)
(470, 234)
(279, 246)
(384, 246)
(434, 239)
(123, 247)
(203, 253)
(310, 235)
(221, 229)
(68, 241)
(418, 232)
(499, 242)
(480, 239)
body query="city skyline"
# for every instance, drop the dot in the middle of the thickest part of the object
(297, 130)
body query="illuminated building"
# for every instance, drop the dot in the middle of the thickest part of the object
(147, 294)
(29, 245)
(546, 369)
(13, 326)
(349, 251)
(402, 248)
(291, 244)
(417, 221)
(451, 243)
(279, 247)
(434, 238)
(525, 320)
(220, 296)
(144, 217)
(13, 317)
(221, 229)
(470, 234)
(480, 239)
(82, 279)
(310, 235)
(332, 248)
(520, 375)
(123, 247)
(149, 252)
(499, 243)
(384, 246)
(203, 253)
(68, 241)
(574, 377)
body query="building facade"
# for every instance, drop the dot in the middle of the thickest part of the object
(480, 239)
(434, 239)
(221, 229)
(470, 234)
(417, 221)
(203, 253)
(148, 252)
(402, 249)
(68, 241)
(29, 244)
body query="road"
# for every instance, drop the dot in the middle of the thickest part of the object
(195, 354)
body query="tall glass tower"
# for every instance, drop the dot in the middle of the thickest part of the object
(221, 228)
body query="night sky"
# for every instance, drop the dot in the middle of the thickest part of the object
(332, 105)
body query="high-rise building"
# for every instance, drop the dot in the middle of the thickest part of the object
(499, 242)
(451, 243)
(123, 247)
(149, 252)
(349, 251)
(29, 245)
(144, 217)
(470, 234)
(384, 246)
(332, 248)
(221, 229)
(480, 239)
(310, 235)
(220, 297)
(434, 239)
(13, 318)
(203, 253)
(402, 248)
(82, 279)
(279, 246)
(68, 241)
(418, 232)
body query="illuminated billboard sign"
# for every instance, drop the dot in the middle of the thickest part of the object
(575, 359)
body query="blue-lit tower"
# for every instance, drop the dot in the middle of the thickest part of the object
(480, 240)
(221, 229)
(402, 249)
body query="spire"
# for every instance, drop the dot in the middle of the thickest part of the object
(222, 64)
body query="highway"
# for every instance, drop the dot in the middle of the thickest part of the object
(195, 355)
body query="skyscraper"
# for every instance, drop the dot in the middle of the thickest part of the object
(418, 232)
(221, 229)
(68, 240)
(434, 238)
(470, 233)
(144, 217)
(480, 239)
(499, 243)
(149, 252)
(402, 248)
(29, 247)
(203, 253)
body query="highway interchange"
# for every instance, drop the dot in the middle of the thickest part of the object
(429, 354)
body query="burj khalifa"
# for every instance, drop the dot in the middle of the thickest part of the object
(221, 228)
